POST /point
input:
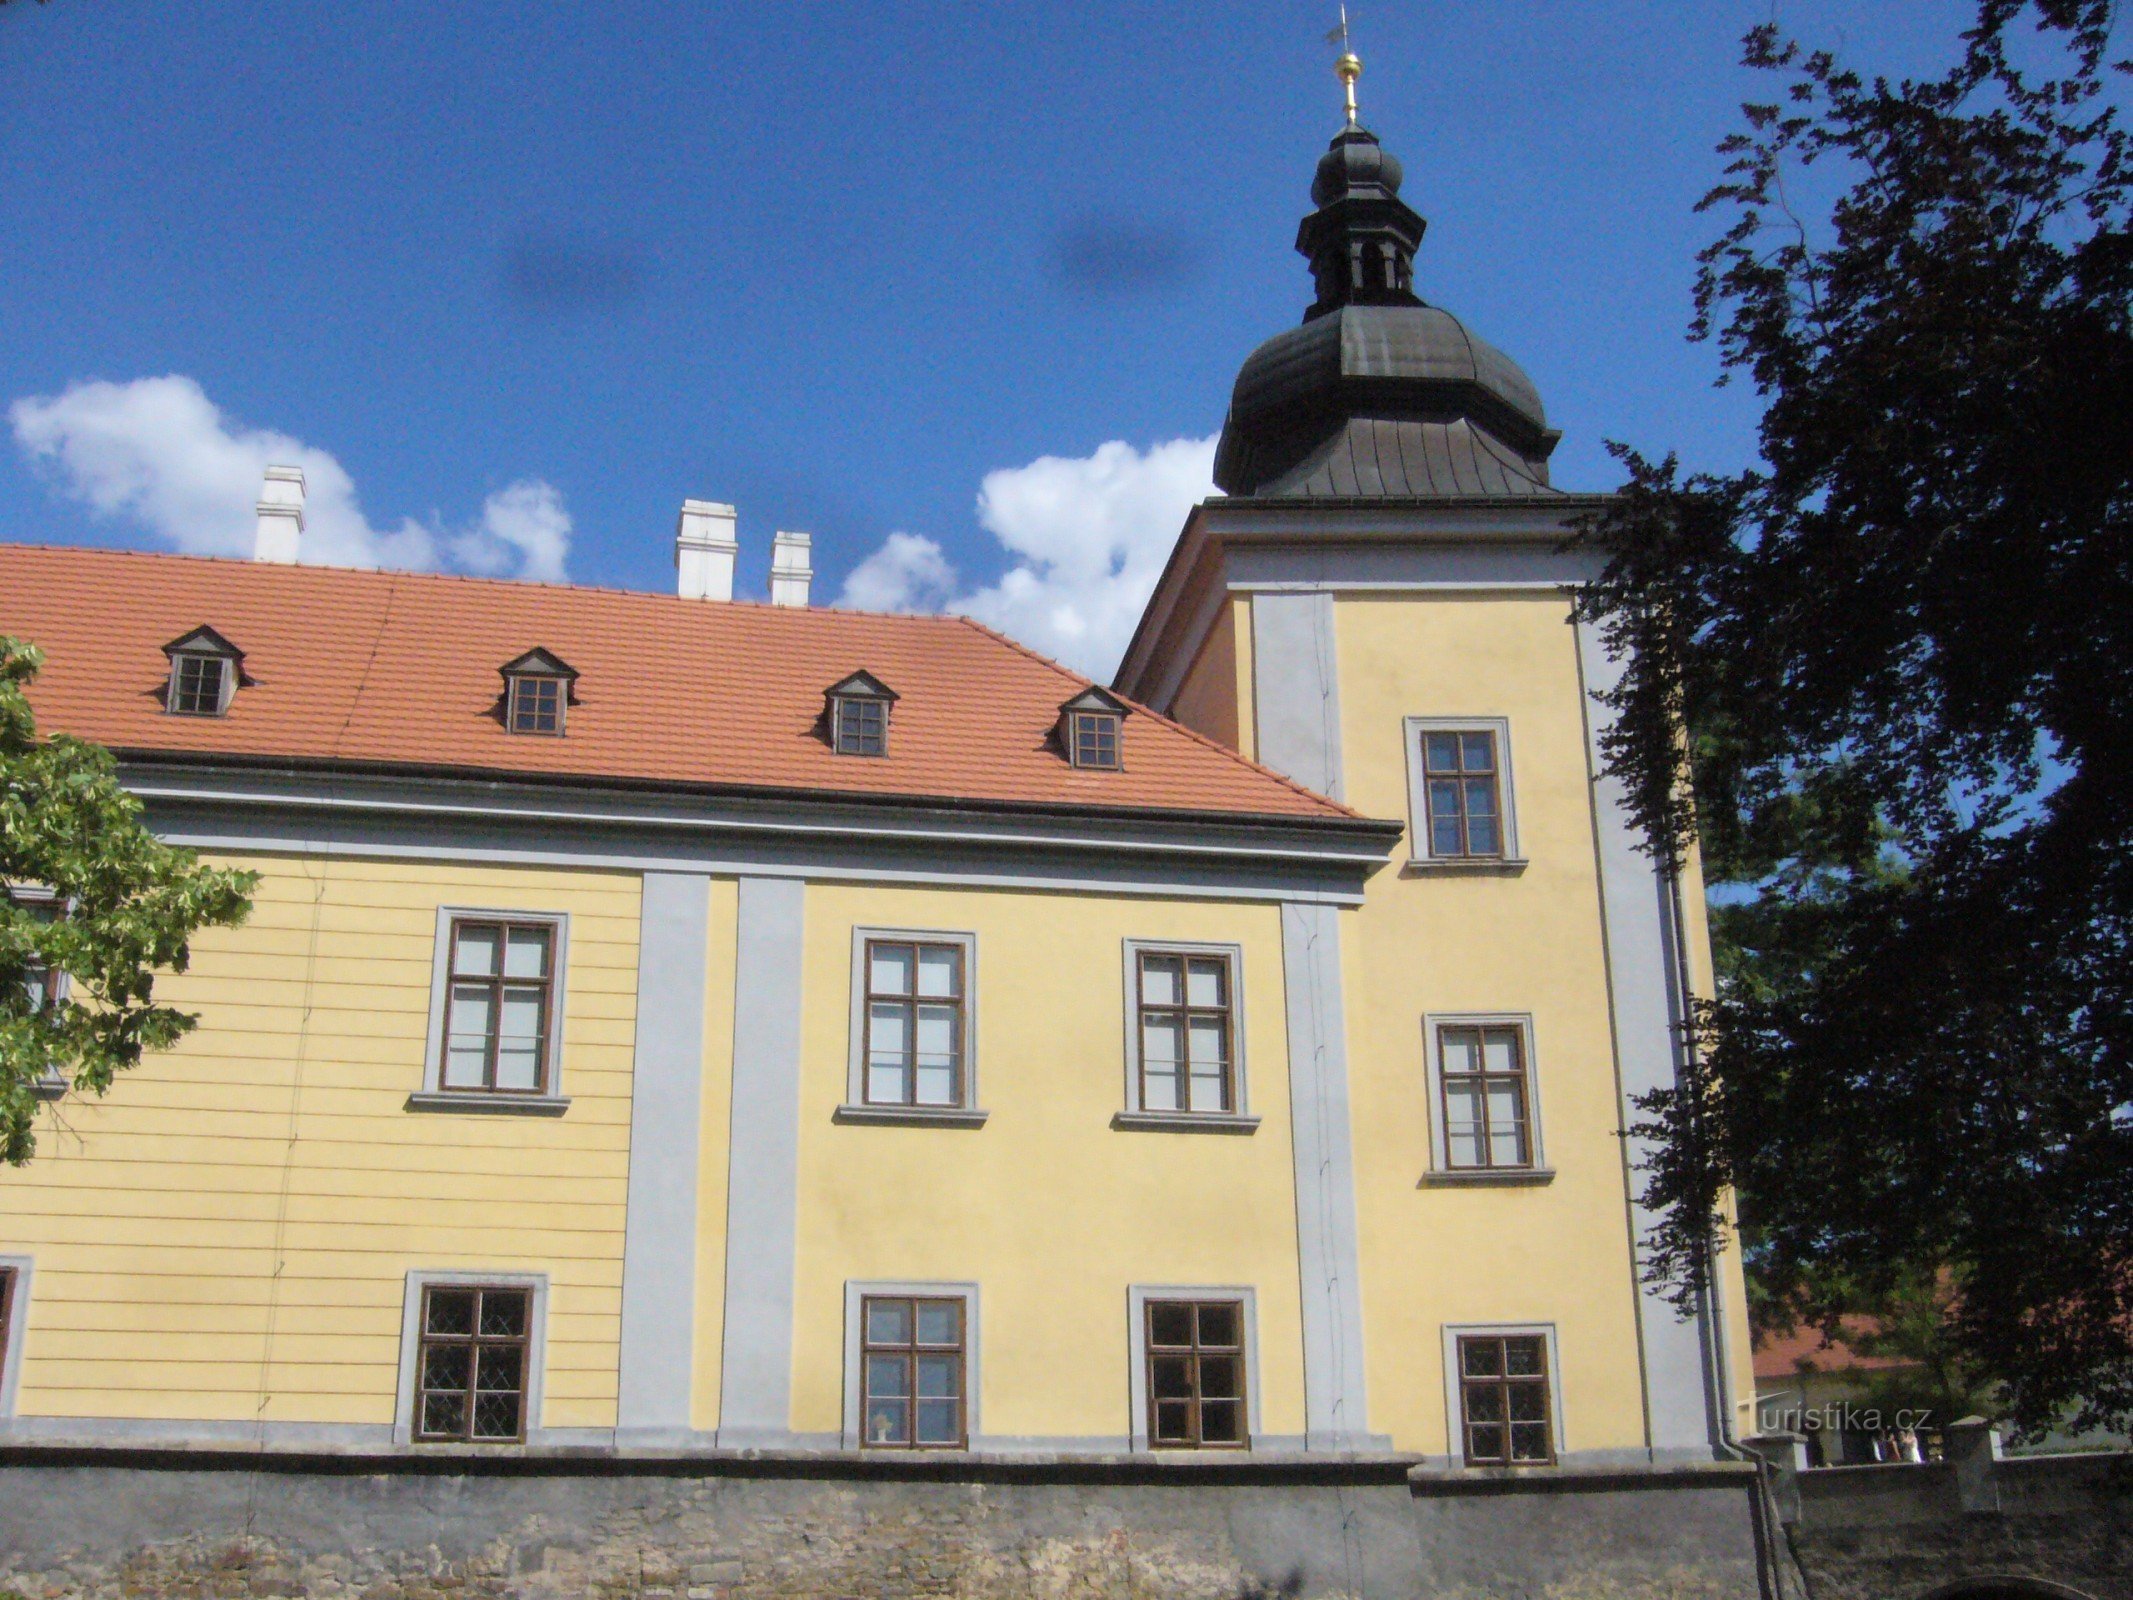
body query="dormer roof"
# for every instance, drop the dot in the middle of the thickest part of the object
(539, 663)
(863, 685)
(203, 640)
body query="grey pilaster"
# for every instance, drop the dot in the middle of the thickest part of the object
(1335, 1415)
(1295, 689)
(666, 1097)
(1683, 1412)
(762, 1192)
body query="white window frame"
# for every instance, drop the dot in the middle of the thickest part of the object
(968, 1113)
(16, 1332)
(1137, 1297)
(433, 1096)
(226, 693)
(59, 983)
(420, 1279)
(856, 1291)
(1441, 1171)
(1455, 1410)
(1418, 851)
(1137, 1116)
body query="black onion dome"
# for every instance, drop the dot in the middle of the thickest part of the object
(1378, 394)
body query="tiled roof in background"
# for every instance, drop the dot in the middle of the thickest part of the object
(401, 669)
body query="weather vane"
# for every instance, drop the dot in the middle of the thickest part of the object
(1350, 66)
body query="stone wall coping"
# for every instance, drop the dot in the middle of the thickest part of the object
(1437, 1480)
(1265, 1468)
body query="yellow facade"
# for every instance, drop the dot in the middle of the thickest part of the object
(1530, 943)
(226, 1241)
(225, 1237)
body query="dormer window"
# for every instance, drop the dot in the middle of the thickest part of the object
(1090, 730)
(205, 670)
(858, 712)
(537, 690)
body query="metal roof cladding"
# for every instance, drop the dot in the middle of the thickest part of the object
(1378, 395)
(399, 670)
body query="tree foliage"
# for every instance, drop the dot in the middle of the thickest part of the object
(130, 905)
(1881, 682)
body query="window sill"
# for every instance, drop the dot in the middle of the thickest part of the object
(1489, 1178)
(489, 1103)
(1463, 866)
(49, 1088)
(914, 1116)
(1184, 1122)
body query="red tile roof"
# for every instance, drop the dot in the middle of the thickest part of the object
(400, 669)
(1788, 1354)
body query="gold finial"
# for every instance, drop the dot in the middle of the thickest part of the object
(1350, 65)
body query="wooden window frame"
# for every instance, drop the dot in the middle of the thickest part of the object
(408, 1401)
(869, 996)
(848, 740)
(181, 699)
(1137, 1112)
(56, 982)
(520, 718)
(1421, 842)
(436, 1094)
(1534, 1169)
(1088, 735)
(525, 1341)
(857, 1292)
(1192, 1354)
(857, 1107)
(1503, 1383)
(14, 1317)
(910, 1351)
(1521, 1080)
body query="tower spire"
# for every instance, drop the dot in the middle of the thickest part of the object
(1350, 65)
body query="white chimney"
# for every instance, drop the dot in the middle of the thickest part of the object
(704, 548)
(790, 573)
(281, 516)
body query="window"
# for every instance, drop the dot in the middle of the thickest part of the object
(205, 671)
(538, 688)
(912, 1361)
(914, 1029)
(196, 685)
(500, 993)
(8, 1277)
(1504, 1408)
(536, 704)
(1465, 817)
(862, 727)
(43, 986)
(858, 711)
(474, 1362)
(1095, 740)
(1184, 1031)
(1195, 1374)
(1483, 1095)
(1090, 727)
(1460, 799)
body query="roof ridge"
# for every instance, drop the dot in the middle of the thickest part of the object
(1194, 734)
(487, 580)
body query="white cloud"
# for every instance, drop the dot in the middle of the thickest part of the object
(908, 573)
(160, 453)
(1087, 537)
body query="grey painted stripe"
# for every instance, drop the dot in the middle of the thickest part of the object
(666, 1098)
(1295, 695)
(1335, 1414)
(1637, 919)
(762, 1197)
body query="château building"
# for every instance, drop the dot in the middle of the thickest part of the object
(777, 1045)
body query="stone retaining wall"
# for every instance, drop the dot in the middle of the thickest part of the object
(101, 1524)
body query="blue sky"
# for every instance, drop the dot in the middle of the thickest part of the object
(525, 275)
